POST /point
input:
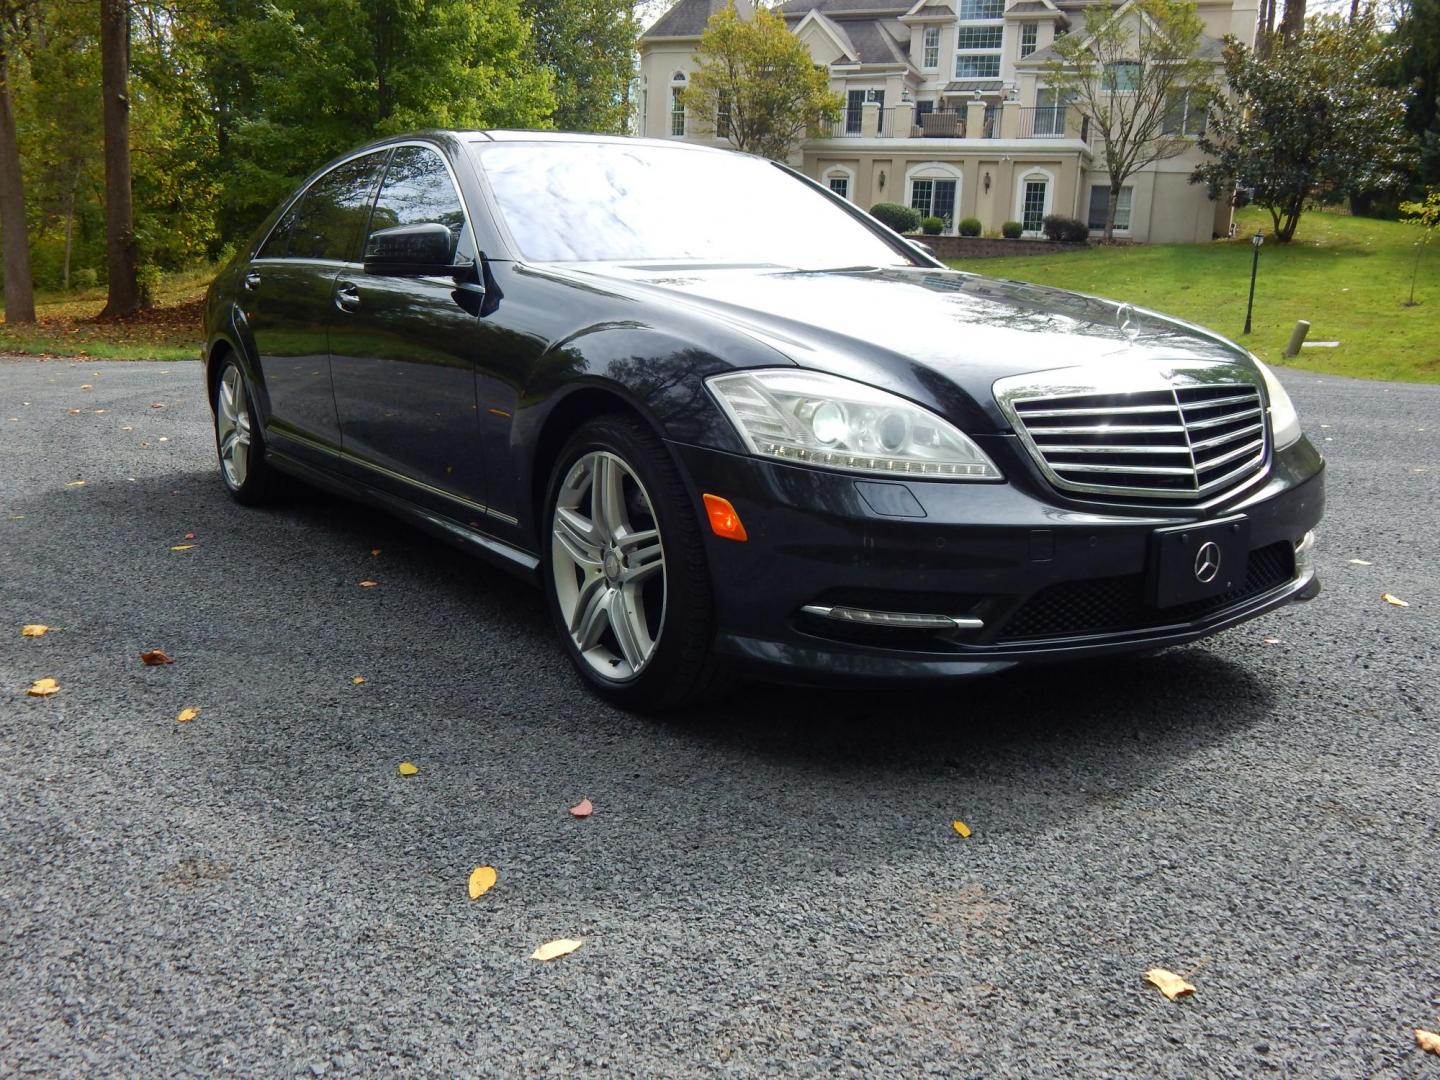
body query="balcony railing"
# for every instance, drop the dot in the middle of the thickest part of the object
(1034, 122)
(1042, 122)
(851, 121)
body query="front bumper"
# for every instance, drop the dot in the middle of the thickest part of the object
(1048, 578)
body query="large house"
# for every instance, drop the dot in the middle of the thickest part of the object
(946, 110)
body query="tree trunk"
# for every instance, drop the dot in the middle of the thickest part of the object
(1292, 25)
(69, 234)
(19, 288)
(121, 249)
(1111, 203)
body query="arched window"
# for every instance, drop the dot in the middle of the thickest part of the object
(933, 189)
(677, 104)
(841, 180)
(1034, 194)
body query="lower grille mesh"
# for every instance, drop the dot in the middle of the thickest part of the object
(1116, 604)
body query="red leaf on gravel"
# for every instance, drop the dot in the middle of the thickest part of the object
(154, 658)
(582, 809)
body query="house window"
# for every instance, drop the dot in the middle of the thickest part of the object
(934, 197)
(722, 115)
(1185, 113)
(1122, 77)
(931, 59)
(977, 54)
(840, 185)
(677, 111)
(981, 10)
(1032, 205)
(854, 110)
(1100, 201)
(1029, 38)
(977, 67)
(1049, 112)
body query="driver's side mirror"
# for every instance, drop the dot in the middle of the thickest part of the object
(425, 250)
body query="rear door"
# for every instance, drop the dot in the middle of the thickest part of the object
(404, 351)
(288, 305)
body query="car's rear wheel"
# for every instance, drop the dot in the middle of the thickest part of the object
(625, 568)
(239, 443)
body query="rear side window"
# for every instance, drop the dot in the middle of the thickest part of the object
(331, 215)
(279, 239)
(417, 191)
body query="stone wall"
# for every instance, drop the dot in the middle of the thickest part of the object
(985, 247)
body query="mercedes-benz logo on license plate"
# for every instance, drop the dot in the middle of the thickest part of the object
(1207, 562)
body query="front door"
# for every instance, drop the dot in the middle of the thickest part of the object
(403, 352)
(286, 304)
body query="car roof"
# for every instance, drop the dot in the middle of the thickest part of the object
(511, 135)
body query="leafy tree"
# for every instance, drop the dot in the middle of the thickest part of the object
(324, 75)
(1134, 70)
(588, 46)
(756, 85)
(1309, 122)
(1415, 42)
(1427, 215)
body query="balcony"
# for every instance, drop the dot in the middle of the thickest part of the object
(1007, 121)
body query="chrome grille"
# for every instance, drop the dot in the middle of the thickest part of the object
(1184, 442)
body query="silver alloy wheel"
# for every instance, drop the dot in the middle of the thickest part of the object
(232, 427)
(609, 565)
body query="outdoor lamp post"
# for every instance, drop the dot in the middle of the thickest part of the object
(1255, 243)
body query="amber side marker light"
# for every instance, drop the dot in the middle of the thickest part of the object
(724, 521)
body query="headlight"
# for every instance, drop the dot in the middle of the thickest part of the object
(1284, 420)
(815, 419)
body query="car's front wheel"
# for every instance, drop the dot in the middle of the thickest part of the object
(625, 568)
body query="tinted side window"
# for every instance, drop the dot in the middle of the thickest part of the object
(332, 214)
(418, 190)
(279, 240)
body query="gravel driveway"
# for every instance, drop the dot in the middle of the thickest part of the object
(769, 888)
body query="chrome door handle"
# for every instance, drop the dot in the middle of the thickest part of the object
(347, 296)
(251, 281)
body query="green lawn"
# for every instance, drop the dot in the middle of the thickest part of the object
(1348, 277)
(65, 327)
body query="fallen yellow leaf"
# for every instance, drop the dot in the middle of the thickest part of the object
(43, 688)
(76, 483)
(1390, 599)
(553, 950)
(368, 584)
(1170, 984)
(374, 551)
(358, 680)
(960, 827)
(182, 547)
(34, 630)
(1427, 1040)
(482, 880)
(86, 386)
(405, 768)
(186, 715)
(1361, 562)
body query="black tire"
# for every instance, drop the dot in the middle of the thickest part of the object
(680, 670)
(257, 482)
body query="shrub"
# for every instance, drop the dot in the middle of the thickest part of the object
(900, 218)
(84, 278)
(1011, 230)
(932, 226)
(1068, 229)
(969, 226)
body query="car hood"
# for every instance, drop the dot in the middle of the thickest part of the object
(901, 328)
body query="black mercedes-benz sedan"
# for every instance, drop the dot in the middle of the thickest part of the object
(729, 422)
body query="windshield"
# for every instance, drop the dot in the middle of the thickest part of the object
(594, 202)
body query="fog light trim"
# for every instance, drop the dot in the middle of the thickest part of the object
(894, 620)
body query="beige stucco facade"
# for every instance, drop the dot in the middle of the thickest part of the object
(917, 131)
